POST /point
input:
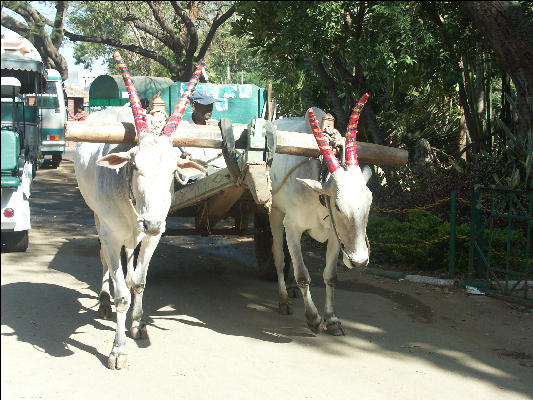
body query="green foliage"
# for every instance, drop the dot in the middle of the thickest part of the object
(285, 37)
(228, 51)
(431, 116)
(106, 19)
(423, 227)
(515, 158)
(159, 39)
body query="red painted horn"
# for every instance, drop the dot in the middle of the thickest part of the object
(331, 161)
(177, 115)
(351, 144)
(138, 111)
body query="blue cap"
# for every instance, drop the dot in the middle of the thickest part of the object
(203, 98)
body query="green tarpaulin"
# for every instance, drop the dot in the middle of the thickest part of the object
(240, 103)
(109, 90)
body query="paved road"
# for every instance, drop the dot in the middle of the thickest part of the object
(215, 332)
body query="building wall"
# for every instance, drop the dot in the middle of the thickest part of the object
(81, 79)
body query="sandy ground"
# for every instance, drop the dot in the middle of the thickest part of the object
(215, 331)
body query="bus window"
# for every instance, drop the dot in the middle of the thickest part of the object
(48, 102)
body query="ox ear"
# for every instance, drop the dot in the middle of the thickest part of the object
(314, 185)
(188, 169)
(114, 160)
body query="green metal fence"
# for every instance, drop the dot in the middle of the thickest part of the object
(508, 269)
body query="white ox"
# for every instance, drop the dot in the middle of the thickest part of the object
(128, 187)
(296, 207)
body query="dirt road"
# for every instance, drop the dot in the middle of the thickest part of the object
(215, 332)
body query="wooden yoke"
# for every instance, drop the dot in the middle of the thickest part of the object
(209, 136)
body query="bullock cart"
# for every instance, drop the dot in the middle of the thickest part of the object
(240, 189)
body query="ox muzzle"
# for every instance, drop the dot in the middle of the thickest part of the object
(357, 261)
(151, 228)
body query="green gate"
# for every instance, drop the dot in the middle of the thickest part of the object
(503, 259)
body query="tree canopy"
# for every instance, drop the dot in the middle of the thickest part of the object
(34, 29)
(174, 34)
(441, 72)
(434, 71)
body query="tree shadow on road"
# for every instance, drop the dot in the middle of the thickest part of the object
(48, 317)
(201, 290)
(216, 293)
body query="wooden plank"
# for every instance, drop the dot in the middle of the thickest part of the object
(187, 135)
(201, 190)
(256, 177)
(301, 144)
(99, 132)
(208, 136)
(219, 204)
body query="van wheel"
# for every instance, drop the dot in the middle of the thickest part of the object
(15, 241)
(56, 160)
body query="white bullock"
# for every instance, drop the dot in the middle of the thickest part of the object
(341, 219)
(128, 187)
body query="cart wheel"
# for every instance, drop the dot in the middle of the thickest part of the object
(15, 241)
(263, 249)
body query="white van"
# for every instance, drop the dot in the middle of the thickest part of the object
(53, 114)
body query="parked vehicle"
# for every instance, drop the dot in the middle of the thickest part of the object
(20, 146)
(53, 115)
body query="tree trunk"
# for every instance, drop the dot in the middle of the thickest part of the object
(510, 34)
(369, 115)
(505, 113)
(329, 83)
(34, 31)
(467, 110)
(480, 90)
(462, 132)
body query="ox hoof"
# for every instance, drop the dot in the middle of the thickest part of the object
(334, 328)
(285, 308)
(293, 291)
(117, 360)
(314, 324)
(105, 306)
(139, 332)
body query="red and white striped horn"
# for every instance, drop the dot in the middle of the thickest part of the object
(136, 107)
(177, 115)
(323, 144)
(351, 133)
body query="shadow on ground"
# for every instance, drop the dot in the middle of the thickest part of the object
(227, 298)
